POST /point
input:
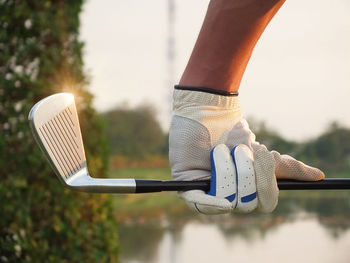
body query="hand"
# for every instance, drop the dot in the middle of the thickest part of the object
(202, 121)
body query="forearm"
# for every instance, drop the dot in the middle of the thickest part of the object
(228, 36)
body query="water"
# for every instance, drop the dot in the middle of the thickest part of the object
(313, 230)
(205, 243)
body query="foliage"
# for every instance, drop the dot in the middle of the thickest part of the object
(40, 54)
(135, 133)
(331, 150)
(271, 138)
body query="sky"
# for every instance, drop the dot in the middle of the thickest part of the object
(297, 81)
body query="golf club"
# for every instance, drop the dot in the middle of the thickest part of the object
(55, 125)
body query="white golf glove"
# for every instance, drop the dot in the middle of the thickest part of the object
(204, 131)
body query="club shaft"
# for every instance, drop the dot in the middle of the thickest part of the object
(147, 186)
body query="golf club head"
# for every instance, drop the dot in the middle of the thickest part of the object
(55, 125)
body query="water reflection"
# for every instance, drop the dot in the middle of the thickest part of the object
(308, 229)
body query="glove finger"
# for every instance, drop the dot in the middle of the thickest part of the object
(240, 134)
(199, 201)
(247, 197)
(289, 168)
(223, 181)
(223, 187)
(267, 188)
(257, 146)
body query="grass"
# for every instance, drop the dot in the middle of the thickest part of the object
(159, 173)
(151, 204)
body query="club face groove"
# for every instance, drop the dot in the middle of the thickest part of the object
(55, 125)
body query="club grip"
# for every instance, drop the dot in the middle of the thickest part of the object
(149, 186)
(325, 184)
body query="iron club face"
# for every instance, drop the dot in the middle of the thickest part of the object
(55, 125)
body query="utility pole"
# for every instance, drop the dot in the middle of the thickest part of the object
(170, 82)
(170, 52)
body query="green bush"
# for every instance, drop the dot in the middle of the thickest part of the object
(41, 221)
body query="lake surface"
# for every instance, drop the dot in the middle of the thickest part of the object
(315, 230)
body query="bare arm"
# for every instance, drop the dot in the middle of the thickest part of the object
(228, 36)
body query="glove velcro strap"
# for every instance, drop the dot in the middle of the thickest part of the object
(207, 90)
(198, 98)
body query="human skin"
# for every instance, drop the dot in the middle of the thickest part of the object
(229, 33)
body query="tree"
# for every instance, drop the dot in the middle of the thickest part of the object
(272, 139)
(331, 150)
(40, 54)
(134, 133)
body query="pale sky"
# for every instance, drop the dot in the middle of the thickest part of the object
(298, 79)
